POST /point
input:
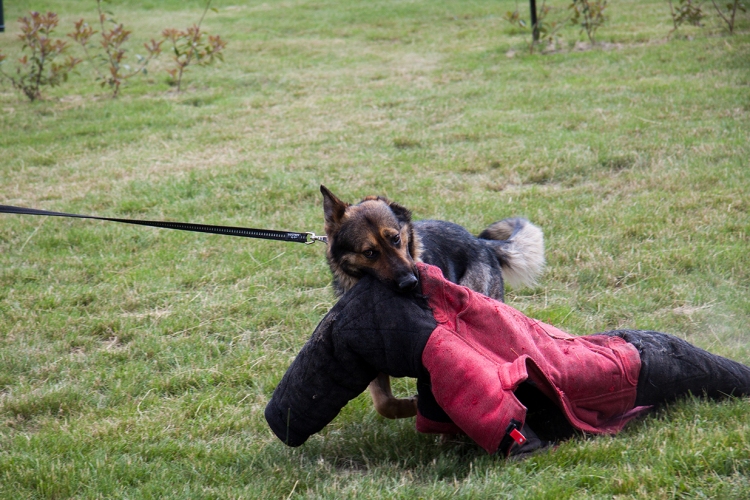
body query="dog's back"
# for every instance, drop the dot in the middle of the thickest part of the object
(510, 249)
(377, 237)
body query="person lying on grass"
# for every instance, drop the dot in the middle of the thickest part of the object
(511, 383)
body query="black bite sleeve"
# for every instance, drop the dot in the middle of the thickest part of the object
(372, 329)
(315, 387)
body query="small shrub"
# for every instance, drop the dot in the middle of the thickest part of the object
(545, 29)
(731, 11)
(589, 14)
(687, 12)
(39, 68)
(112, 53)
(192, 46)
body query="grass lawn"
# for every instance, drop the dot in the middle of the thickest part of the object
(137, 362)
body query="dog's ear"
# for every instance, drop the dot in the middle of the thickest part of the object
(403, 214)
(333, 208)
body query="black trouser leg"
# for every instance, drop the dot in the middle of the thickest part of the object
(672, 367)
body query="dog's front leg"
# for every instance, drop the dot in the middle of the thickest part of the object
(386, 403)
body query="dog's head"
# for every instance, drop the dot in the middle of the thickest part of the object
(373, 237)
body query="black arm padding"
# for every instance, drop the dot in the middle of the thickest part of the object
(372, 329)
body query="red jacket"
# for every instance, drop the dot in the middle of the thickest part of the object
(482, 350)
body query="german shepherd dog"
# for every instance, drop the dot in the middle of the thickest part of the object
(377, 236)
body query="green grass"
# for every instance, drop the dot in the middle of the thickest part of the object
(137, 362)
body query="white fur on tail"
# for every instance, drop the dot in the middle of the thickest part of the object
(524, 252)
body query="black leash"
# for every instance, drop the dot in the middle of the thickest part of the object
(266, 234)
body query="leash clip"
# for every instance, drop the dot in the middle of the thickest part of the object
(314, 238)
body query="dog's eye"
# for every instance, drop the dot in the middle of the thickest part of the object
(370, 254)
(397, 240)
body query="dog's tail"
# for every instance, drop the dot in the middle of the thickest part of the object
(519, 246)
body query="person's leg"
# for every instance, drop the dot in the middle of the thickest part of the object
(672, 367)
